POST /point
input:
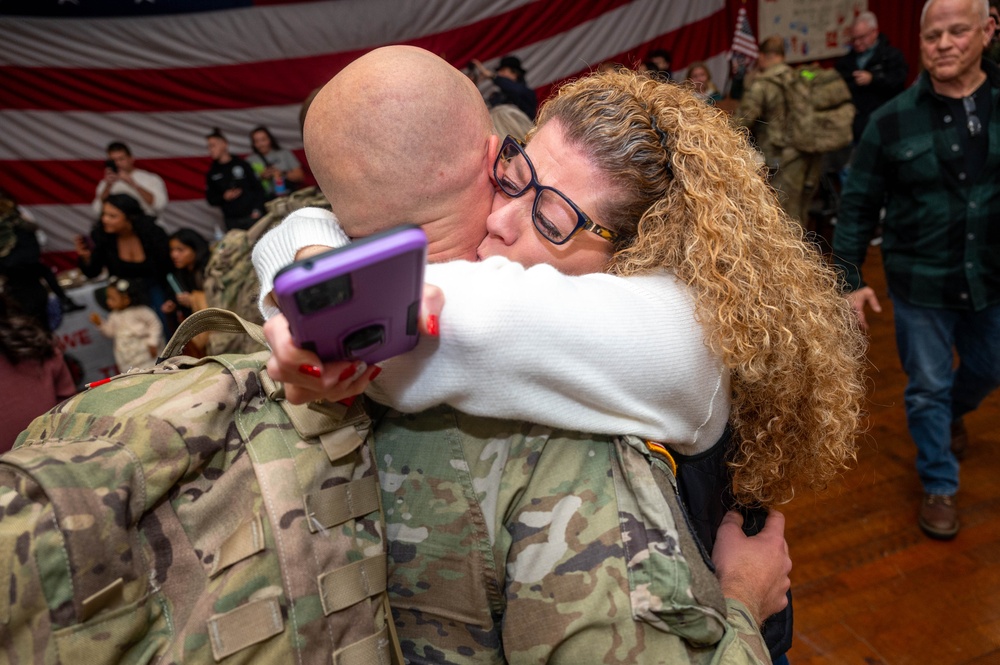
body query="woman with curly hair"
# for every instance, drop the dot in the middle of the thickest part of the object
(712, 310)
(669, 194)
(32, 367)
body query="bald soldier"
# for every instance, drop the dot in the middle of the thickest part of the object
(473, 503)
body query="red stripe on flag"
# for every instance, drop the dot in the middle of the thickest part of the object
(71, 182)
(274, 82)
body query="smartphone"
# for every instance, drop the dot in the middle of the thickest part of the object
(174, 284)
(110, 164)
(357, 302)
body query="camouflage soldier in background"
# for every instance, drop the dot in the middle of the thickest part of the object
(508, 541)
(764, 111)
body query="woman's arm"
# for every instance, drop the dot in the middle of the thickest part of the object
(278, 247)
(593, 353)
(93, 259)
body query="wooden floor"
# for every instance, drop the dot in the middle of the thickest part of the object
(869, 587)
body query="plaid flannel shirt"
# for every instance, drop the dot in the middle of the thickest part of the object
(941, 235)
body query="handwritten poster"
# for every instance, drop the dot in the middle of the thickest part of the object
(813, 29)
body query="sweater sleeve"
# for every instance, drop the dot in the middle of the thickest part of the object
(277, 248)
(593, 353)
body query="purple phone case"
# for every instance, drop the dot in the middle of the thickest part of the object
(360, 301)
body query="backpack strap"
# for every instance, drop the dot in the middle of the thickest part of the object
(211, 319)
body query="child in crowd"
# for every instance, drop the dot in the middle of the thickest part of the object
(189, 252)
(134, 327)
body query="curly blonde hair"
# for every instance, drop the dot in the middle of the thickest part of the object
(690, 196)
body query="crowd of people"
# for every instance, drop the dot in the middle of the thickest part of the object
(632, 355)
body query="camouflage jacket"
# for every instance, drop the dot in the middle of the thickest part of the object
(515, 543)
(183, 515)
(762, 110)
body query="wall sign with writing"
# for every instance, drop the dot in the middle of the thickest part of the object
(813, 29)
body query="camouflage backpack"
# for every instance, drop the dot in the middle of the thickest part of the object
(186, 514)
(230, 280)
(819, 112)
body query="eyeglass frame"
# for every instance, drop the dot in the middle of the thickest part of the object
(583, 221)
(972, 121)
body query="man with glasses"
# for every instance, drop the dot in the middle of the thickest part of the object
(464, 495)
(926, 157)
(874, 70)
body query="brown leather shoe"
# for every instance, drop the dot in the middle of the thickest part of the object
(959, 439)
(939, 517)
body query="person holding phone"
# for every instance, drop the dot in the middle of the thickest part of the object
(671, 174)
(130, 244)
(278, 169)
(122, 177)
(189, 252)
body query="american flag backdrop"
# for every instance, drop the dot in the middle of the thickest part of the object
(159, 74)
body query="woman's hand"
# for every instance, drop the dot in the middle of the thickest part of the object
(168, 307)
(430, 310)
(82, 249)
(305, 376)
(184, 298)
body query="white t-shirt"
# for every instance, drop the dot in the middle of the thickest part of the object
(149, 181)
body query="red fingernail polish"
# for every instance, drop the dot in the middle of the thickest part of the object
(378, 370)
(432, 325)
(347, 373)
(347, 401)
(311, 370)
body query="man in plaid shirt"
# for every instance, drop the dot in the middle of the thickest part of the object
(927, 158)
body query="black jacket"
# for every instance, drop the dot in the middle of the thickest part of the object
(155, 245)
(888, 68)
(516, 93)
(234, 173)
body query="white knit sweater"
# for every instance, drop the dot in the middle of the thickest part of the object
(592, 353)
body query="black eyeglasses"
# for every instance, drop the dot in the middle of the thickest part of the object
(972, 120)
(555, 217)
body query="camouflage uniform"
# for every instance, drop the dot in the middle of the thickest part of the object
(178, 515)
(794, 175)
(512, 542)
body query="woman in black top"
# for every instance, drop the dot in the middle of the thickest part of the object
(131, 245)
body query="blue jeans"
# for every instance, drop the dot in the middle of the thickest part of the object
(938, 392)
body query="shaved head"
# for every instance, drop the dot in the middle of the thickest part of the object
(400, 136)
